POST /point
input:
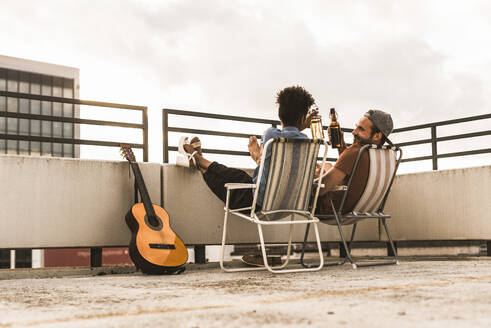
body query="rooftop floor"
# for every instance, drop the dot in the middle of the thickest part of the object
(429, 293)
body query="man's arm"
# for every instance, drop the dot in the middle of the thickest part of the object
(333, 177)
(306, 122)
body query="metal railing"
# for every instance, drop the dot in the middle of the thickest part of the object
(76, 141)
(432, 126)
(435, 139)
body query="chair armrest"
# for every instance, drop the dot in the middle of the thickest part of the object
(340, 188)
(239, 185)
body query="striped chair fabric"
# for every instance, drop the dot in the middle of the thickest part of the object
(383, 163)
(290, 176)
(382, 167)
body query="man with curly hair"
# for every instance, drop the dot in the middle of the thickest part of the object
(293, 111)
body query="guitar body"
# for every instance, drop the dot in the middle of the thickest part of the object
(154, 247)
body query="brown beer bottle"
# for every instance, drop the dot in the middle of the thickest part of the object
(334, 130)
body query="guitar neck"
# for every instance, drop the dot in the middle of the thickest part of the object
(147, 203)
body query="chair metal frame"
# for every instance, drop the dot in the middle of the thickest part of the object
(253, 217)
(354, 217)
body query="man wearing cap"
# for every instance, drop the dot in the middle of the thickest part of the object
(373, 128)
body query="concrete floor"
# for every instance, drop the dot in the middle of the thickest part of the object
(439, 293)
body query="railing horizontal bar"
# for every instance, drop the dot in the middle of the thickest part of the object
(465, 153)
(70, 120)
(221, 117)
(218, 151)
(213, 133)
(465, 135)
(66, 140)
(412, 143)
(428, 125)
(457, 136)
(456, 154)
(70, 100)
(414, 159)
(328, 159)
(324, 127)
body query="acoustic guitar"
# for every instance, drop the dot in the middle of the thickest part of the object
(154, 248)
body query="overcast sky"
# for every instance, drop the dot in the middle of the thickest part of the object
(422, 61)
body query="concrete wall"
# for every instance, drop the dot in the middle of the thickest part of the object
(441, 205)
(52, 202)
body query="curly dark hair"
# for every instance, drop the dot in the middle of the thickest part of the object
(294, 103)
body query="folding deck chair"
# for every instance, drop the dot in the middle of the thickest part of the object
(287, 195)
(384, 162)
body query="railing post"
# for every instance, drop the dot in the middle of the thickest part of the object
(145, 133)
(165, 135)
(200, 254)
(434, 151)
(95, 257)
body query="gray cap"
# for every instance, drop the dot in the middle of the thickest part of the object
(382, 120)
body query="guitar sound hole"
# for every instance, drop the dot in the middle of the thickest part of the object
(154, 222)
(162, 246)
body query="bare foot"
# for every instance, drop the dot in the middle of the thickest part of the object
(254, 149)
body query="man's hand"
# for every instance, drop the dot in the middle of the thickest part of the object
(308, 118)
(327, 167)
(343, 143)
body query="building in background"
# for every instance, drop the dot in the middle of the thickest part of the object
(22, 76)
(37, 78)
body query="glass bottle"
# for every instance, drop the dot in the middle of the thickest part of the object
(316, 127)
(334, 130)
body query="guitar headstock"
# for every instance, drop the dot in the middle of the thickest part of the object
(127, 153)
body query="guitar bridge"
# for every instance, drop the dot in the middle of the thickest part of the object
(162, 246)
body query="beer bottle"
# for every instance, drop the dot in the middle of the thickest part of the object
(334, 130)
(316, 127)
